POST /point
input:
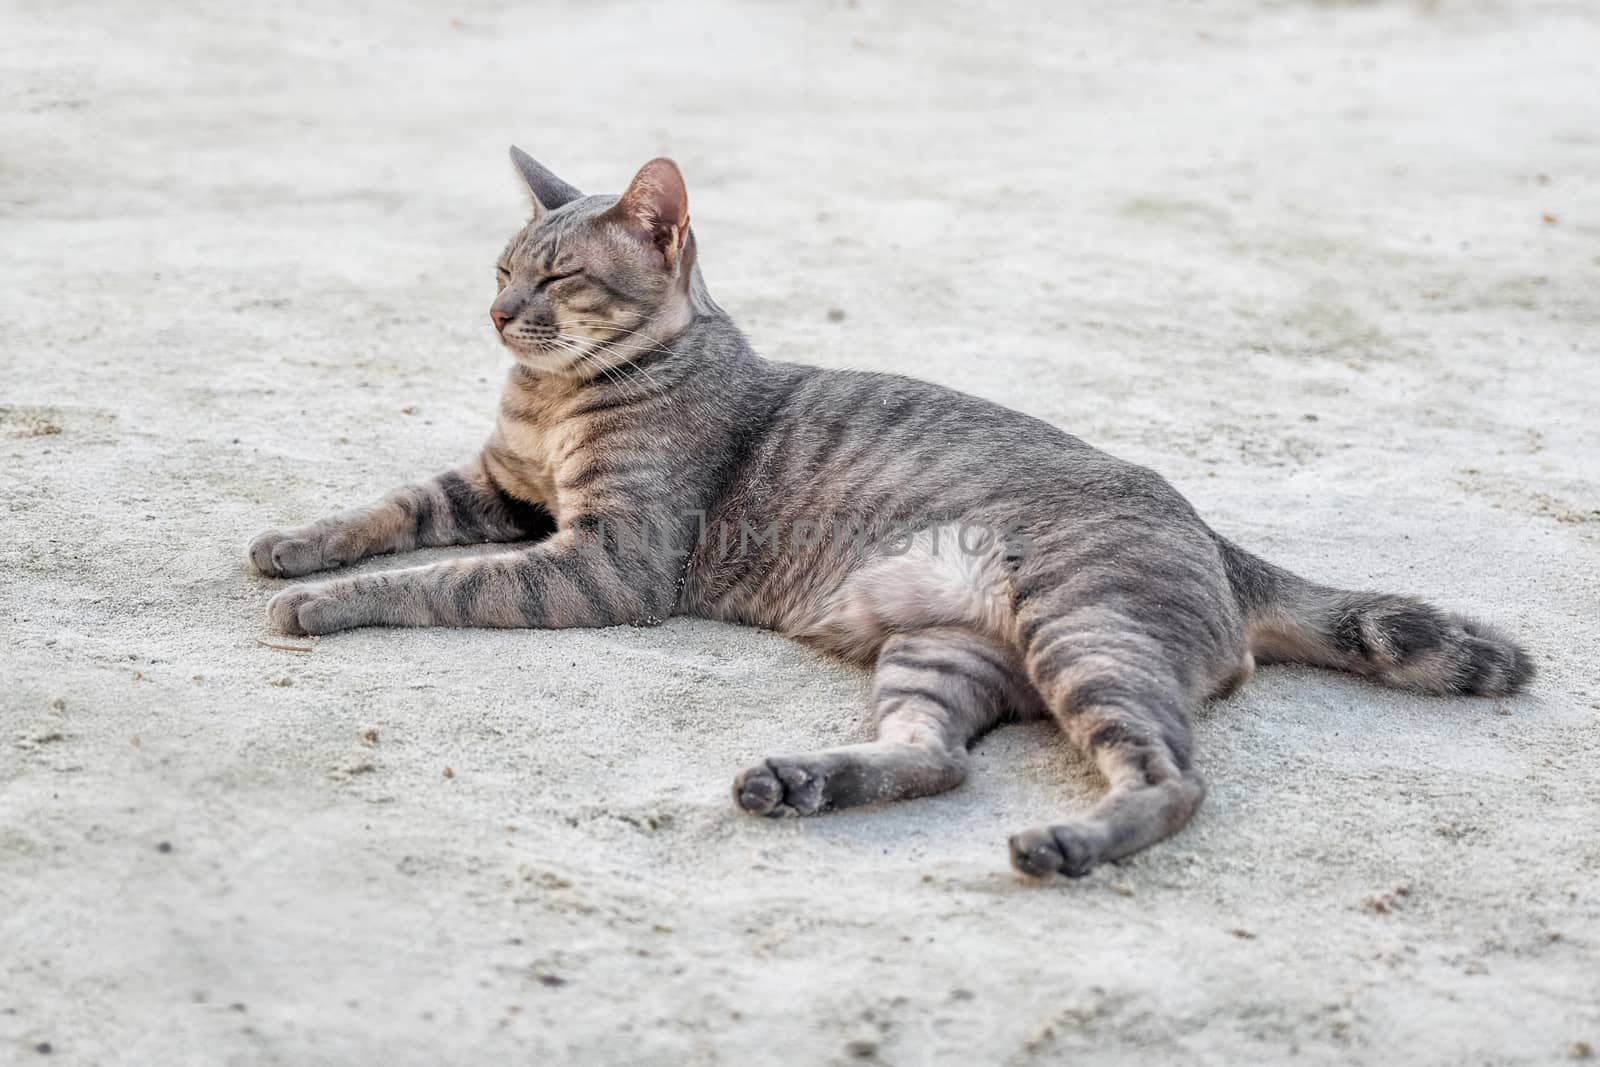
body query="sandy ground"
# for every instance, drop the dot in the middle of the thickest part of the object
(1334, 270)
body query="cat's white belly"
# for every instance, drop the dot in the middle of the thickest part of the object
(940, 579)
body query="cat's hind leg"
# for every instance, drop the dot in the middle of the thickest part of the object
(1118, 694)
(935, 691)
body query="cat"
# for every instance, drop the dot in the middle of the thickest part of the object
(986, 565)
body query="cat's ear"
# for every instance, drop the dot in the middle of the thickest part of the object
(548, 191)
(656, 208)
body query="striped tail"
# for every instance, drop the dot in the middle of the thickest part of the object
(1395, 640)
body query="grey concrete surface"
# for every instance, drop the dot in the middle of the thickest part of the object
(1333, 269)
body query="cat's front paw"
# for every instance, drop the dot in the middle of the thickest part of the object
(307, 610)
(285, 554)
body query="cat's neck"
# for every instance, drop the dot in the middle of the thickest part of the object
(699, 297)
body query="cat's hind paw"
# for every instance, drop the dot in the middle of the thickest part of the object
(780, 789)
(1051, 850)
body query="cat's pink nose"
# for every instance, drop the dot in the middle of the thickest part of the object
(500, 318)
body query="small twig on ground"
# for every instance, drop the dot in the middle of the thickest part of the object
(283, 648)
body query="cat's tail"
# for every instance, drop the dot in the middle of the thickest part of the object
(1396, 640)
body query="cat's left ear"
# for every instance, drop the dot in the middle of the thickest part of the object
(656, 209)
(548, 191)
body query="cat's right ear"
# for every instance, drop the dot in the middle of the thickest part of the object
(547, 191)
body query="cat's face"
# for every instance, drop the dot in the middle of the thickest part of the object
(594, 281)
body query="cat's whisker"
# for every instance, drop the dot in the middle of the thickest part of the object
(587, 358)
(623, 330)
(636, 365)
(624, 346)
(629, 344)
(580, 357)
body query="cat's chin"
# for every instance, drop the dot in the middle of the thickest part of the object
(539, 360)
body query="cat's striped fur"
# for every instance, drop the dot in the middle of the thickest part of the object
(662, 467)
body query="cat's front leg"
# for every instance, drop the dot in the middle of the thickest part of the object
(566, 581)
(461, 506)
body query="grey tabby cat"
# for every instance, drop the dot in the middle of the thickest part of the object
(989, 567)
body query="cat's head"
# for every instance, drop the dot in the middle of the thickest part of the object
(592, 282)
